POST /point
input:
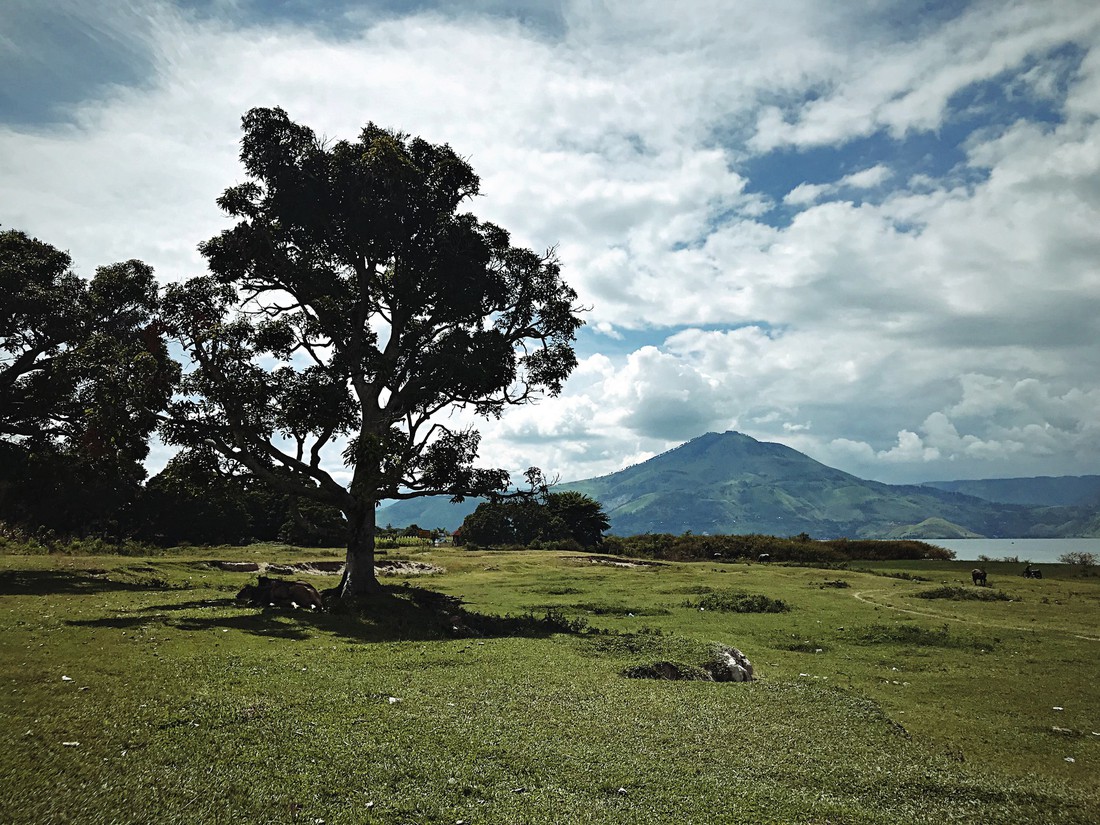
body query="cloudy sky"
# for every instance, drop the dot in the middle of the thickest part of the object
(869, 230)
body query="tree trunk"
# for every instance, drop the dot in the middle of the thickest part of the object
(359, 580)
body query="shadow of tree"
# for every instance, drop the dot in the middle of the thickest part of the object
(63, 582)
(400, 613)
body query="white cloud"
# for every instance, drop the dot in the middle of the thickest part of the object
(946, 323)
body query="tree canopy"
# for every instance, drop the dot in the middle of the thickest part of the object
(84, 370)
(558, 517)
(350, 306)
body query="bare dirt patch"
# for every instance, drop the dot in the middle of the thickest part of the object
(611, 561)
(406, 568)
(326, 568)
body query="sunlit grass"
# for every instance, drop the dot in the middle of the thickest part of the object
(872, 705)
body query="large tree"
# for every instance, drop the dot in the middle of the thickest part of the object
(353, 302)
(83, 371)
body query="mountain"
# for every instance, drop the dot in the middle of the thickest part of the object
(731, 483)
(1059, 491)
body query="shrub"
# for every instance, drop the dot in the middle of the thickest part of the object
(959, 594)
(738, 602)
(911, 634)
(673, 671)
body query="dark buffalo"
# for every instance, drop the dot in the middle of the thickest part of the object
(978, 575)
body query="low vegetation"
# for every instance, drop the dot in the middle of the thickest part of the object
(738, 602)
(798, 549)
(972, 594)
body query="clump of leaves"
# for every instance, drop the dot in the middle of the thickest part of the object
(804, 646)
(733, 601)
(556, 590)
(959, 594)
(671, 671)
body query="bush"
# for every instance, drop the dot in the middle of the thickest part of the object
(797, 550)
(672, 671)
(911, 634)
(960, 594)
(737, 602)
(1079, 559)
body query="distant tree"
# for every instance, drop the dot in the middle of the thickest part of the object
(546, 517)
(380, 306)
(197, 499)
(1079, 558)
(582, 515)
(84, 369)
(512, 523)
(200, 497)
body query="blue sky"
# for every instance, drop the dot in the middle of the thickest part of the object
(867, 230)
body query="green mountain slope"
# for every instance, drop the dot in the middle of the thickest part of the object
(1059, 491)
(731, 483)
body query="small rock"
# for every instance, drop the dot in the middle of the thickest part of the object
(393, 700)
(1058, 708)
(70, 744)
(66, 678)
(1070, 759)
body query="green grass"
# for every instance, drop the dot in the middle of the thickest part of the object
(872, 706)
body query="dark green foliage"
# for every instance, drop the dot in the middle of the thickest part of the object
(518, 522)
(669, 671)
(953, 593)
(561, 520)
(199, 498)
(692, 547)
(352, 267)
(583, 517)
(916, 636)
(83, 372)
(732, 601)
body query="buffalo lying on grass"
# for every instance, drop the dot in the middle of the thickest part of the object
(281, 593)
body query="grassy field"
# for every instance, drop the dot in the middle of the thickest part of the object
(136, 691)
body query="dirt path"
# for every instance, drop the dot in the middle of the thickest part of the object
(862, 595)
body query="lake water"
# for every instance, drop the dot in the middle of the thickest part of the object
(1036, 550)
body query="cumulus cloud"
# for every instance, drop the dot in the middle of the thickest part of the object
(731, 188)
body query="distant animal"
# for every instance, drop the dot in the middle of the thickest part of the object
(1032, 572)
(764, 557)
(978, 575)
(281, 593)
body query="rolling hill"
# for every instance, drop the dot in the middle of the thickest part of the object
(1057, 491)
(732, 483)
